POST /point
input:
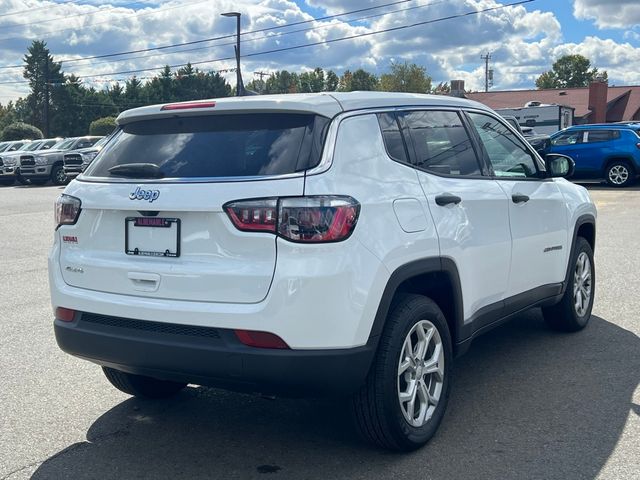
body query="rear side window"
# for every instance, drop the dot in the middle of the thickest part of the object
(212, 146)
(441, 143)
(593, 136)
(393, 140)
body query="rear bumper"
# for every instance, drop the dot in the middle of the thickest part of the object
(211, 356)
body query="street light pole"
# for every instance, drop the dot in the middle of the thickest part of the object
(239, 84)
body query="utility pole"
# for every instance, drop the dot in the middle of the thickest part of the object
(261, 74)
(239, 84)
(46, 96)
(486, 59)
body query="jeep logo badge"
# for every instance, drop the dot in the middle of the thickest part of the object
(142, 194)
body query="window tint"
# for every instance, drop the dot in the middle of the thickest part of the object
(234, 145)
(441, 143)
(64, 144)
(392, 137)
(601, 135)
(567, 138)
(32, 146)
(507, 154)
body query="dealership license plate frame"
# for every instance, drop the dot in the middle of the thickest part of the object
(148, 225)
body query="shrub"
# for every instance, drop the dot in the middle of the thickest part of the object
(20, 131)
(102, 126)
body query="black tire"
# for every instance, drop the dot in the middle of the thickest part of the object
(376, 406)
(21, 180)
(619, 174)
(58, 177)
(141, 386)
(564, 316)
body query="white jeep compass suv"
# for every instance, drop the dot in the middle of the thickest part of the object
(343, 243)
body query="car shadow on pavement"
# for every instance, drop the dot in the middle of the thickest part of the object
(604, 186)
(526, 403)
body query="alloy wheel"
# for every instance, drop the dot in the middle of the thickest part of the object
(582, 284)
(420, 373)
(618, 174)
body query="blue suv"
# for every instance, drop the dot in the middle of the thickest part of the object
(610, 151)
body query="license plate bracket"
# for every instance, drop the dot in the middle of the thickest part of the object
(152, 236)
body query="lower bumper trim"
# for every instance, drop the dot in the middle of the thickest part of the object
(178, 353)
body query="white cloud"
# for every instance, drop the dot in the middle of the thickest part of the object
(607, 13)
(523, 43)
(606, 54)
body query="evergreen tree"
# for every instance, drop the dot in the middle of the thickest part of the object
(43, 73)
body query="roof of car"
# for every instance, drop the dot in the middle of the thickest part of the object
(325, 104)
(606, 126)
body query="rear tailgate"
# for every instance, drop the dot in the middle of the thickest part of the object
(216, 262)
(152, 222)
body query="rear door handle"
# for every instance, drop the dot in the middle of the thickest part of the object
(447, 198)
(519, 198)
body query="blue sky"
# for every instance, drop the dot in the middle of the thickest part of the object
(524, 40)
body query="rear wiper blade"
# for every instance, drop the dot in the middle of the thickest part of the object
(136, 170)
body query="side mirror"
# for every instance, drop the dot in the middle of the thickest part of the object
(559, 165)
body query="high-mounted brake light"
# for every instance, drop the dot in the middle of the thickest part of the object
(67, 210)
(310, 219)
(188, 105)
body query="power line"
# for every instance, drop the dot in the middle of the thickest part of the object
(323, 42)
(223, 37)
(268, 37)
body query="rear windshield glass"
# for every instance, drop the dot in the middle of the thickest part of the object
(213, 146)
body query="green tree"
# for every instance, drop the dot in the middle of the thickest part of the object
(331, 82)
(102, 126)
(43, 73)
(570, 71)
(282, 82)
(20, 131)
(134, 94)
(161, 88)
(360, 80)
(7, 115)
(312, 82)
(405, 77)
(116, 93)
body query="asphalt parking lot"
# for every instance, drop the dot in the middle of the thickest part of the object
(527, 403)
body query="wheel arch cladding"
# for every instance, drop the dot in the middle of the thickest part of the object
(617, 158)
(434, 277)
(587, 230)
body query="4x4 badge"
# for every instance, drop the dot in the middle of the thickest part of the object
(142, 194)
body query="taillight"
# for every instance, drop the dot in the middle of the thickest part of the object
(254, 215)
(311, 219)
(317, 219)
(67, 209)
